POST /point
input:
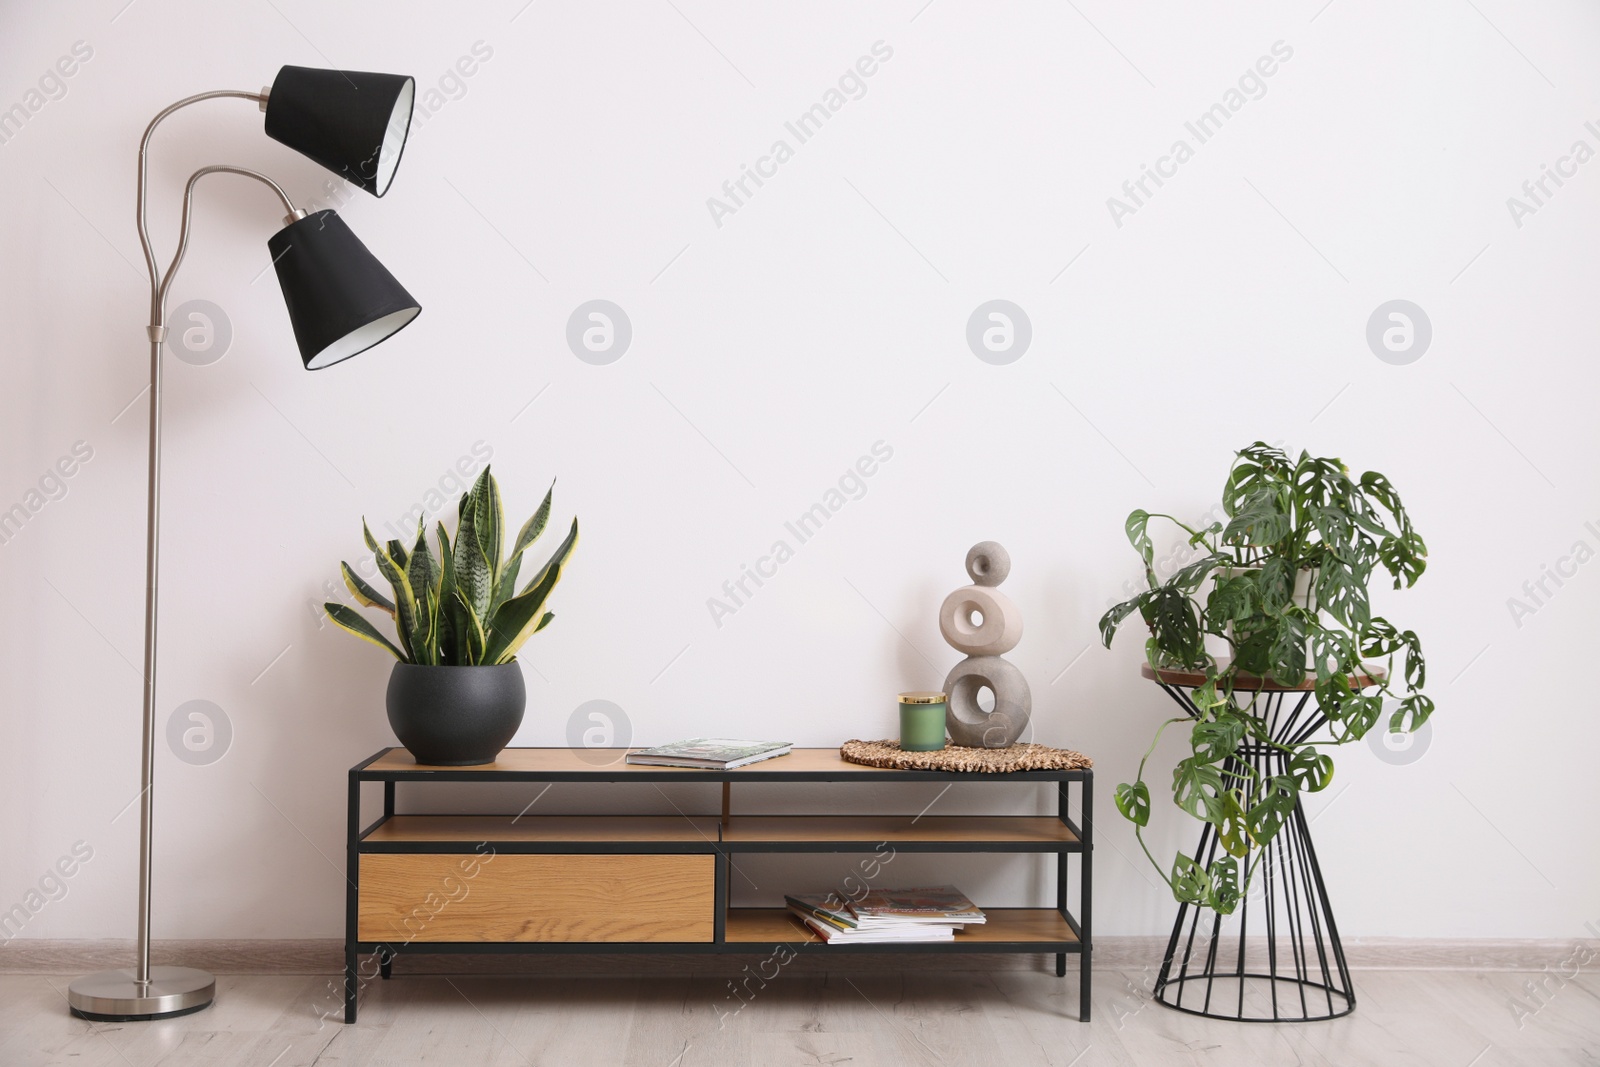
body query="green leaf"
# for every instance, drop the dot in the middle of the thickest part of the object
(1191, 577)
(488, 525)
(1413, 711)
(405, 602)
(1137, 529)
(1275, 582)
(445, 595)
(1333, 695)
(1133, 801)
(447, 566)
(1377, 487)
(1271, 809)
(1416, 666)
(469, 634)
(474, 575)
(1215, 741)
(517, 619)
(1197, 789)
(1342, 593)
(533, 527)
(1233, 832)
(347, 618)
(397, 552)
(1224, 894)
(1175, 626)
(1361, 713)
(1332, 652)
(1231, 599)
(1288, 651)
(1257, 466)
(1190, 883)
(1310, 769)
(423, 570)
(506, 587)
(1379, 638)
(423, 574)
(365, 595)
(1113, 618)
(1261, 520)
(1405, 557)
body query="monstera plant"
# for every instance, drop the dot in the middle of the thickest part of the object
(1283, 586)
(456, 696)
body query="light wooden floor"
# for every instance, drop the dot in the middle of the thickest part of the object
(919, 1016)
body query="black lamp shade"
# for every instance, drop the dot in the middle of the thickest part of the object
(350, 121)
(341, 299)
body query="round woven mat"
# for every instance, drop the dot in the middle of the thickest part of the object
(1027, 757)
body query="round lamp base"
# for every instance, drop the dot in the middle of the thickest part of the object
(114, 996)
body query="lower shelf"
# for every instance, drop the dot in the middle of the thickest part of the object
(1006, 926)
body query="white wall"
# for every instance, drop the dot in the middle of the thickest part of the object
(825, 314)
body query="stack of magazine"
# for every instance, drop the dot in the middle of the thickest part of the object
(887, 916)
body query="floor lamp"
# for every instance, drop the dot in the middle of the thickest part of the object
(341, 302)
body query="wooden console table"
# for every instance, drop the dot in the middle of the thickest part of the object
(620, 883)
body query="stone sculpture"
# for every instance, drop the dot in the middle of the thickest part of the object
(982, 622)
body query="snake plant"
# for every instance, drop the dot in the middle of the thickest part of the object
(460, 608)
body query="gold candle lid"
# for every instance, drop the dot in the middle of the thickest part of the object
(922, 698)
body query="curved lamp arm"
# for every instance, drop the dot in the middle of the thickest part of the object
(158, 305)
(156, 311)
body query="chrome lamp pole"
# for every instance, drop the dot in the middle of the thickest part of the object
(341, 301)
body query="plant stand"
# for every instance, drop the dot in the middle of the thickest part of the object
(1294, 969)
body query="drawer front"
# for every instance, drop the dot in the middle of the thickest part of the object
(477, 897)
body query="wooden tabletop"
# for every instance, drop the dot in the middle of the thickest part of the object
(1188, 679)
(584, 762)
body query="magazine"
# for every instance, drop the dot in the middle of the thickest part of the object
(711, 753)
(882, 916)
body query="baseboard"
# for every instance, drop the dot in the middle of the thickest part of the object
(326, 956)
(1366, 953)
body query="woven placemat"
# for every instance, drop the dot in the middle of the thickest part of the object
(1026, 757)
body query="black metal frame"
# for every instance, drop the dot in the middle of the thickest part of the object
(384, 953)
(1292, 900)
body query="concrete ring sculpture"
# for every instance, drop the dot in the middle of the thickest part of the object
(999, 625)
(970, 725)
(988, 563)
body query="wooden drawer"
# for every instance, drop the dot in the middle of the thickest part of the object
(474, 897)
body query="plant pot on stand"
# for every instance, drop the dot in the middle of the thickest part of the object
(1283, 584)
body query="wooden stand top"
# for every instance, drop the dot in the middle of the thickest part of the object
(610, 764)
(1187, 679)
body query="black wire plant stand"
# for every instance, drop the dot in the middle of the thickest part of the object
(1294, 970)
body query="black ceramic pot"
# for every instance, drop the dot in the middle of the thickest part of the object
(455, 716)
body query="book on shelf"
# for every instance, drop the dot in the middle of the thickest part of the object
(941, 903)
(710, 753)
(885, 916)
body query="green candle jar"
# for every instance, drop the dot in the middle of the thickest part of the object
(922, 722)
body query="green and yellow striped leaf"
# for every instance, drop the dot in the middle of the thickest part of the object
(518, 618)
(488, 522)
(474, 579)
(365, 595)
(351, 620)
(405, 601)
(471, 633)
(533, 527)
